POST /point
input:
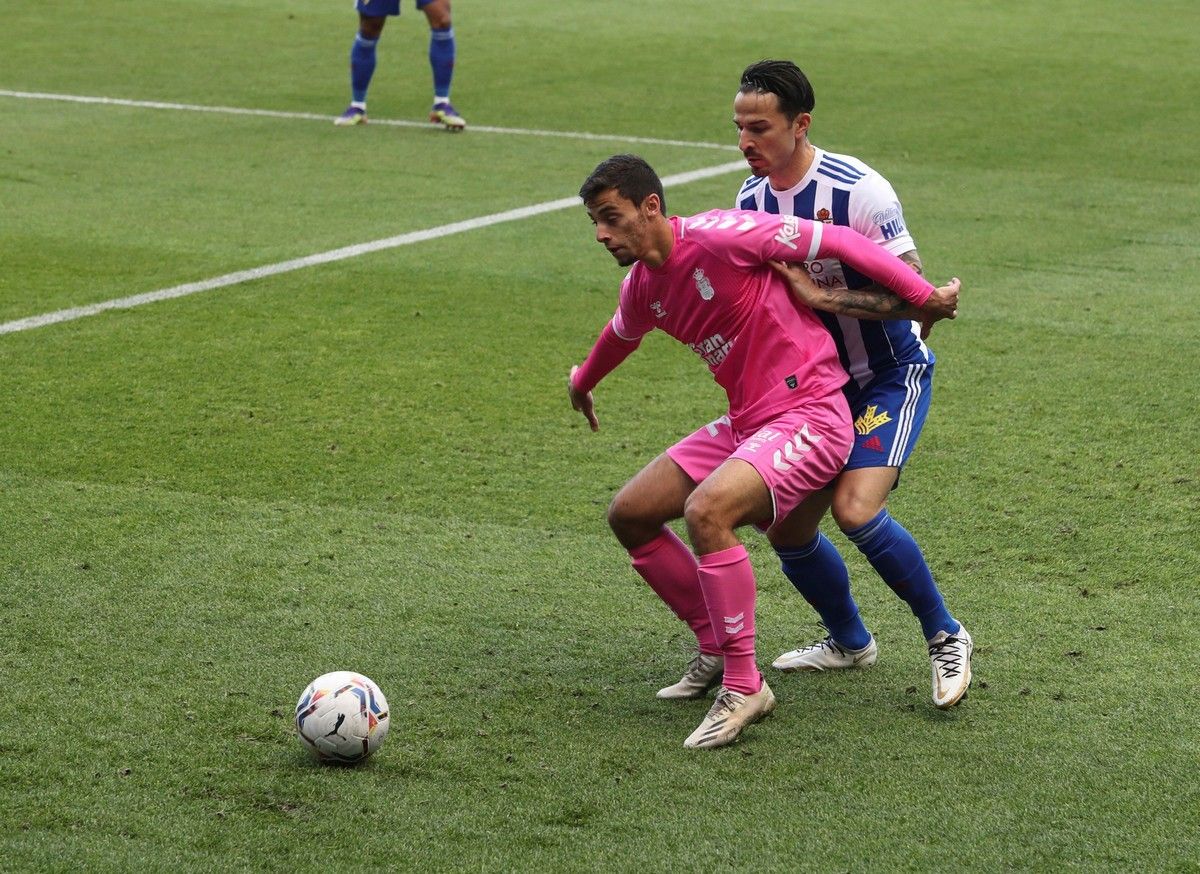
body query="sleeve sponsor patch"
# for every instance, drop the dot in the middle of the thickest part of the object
(890, 222)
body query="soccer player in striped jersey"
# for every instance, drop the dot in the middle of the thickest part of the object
(880, 341)
(705, 280)
(372, 15)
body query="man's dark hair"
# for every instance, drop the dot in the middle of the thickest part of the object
(630, 175)
(783, 79)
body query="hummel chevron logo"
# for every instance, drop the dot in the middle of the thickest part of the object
(707, 221)
(793, 451)
(746, 224)
(730, 627)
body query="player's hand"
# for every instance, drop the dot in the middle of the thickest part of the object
(803, 287)
(582, 401)
(942, 304)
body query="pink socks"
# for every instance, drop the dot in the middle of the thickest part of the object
(715, 598)
(670, 568)
(728, 584)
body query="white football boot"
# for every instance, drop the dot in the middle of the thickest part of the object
(703, 672)
(730, 713)
(826, 655)
(951, 658)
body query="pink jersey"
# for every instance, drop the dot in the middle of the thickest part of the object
(716, 293)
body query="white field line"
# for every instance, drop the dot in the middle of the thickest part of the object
(312, 116)
(333, 255)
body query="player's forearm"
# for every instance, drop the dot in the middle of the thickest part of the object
(874, 302)
(887, 270)
(609, 351)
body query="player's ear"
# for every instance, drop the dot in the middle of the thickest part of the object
(800, 125)
(652, 205)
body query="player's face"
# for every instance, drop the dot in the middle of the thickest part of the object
(621, 227)
(767, 139)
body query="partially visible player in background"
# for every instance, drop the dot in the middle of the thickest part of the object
(704, 280)
(372, 15)
(890, 385)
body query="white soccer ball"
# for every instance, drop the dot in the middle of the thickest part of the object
(342, 717)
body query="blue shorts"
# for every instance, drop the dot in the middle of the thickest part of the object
(380, 8)
(889, 413)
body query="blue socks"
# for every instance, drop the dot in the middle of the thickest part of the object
(362, 67)
(896, 557)
(819, 574)
(441, 59)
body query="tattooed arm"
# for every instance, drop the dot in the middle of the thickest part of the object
(874, 301)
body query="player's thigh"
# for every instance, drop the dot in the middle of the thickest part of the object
(657, 494)
(653, 496)
(436, 11)
(371, 26)
(373, 14)
(860, 494)
(731, 496)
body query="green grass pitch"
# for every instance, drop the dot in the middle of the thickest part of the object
(371, 464)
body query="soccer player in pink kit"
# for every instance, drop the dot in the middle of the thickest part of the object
(706, 281)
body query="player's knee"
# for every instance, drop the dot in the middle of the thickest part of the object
(371, 26)
(630, 521)
(853, 509)
(784, 538)
(619, 514)
(438, 13)
(707, 520)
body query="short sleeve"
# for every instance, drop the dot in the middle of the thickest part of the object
(876, 213)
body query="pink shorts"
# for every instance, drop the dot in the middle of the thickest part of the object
(797, 453)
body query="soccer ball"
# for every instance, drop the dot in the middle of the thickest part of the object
(342, 717)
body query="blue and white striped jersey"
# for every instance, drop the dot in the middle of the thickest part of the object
(842, 190)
